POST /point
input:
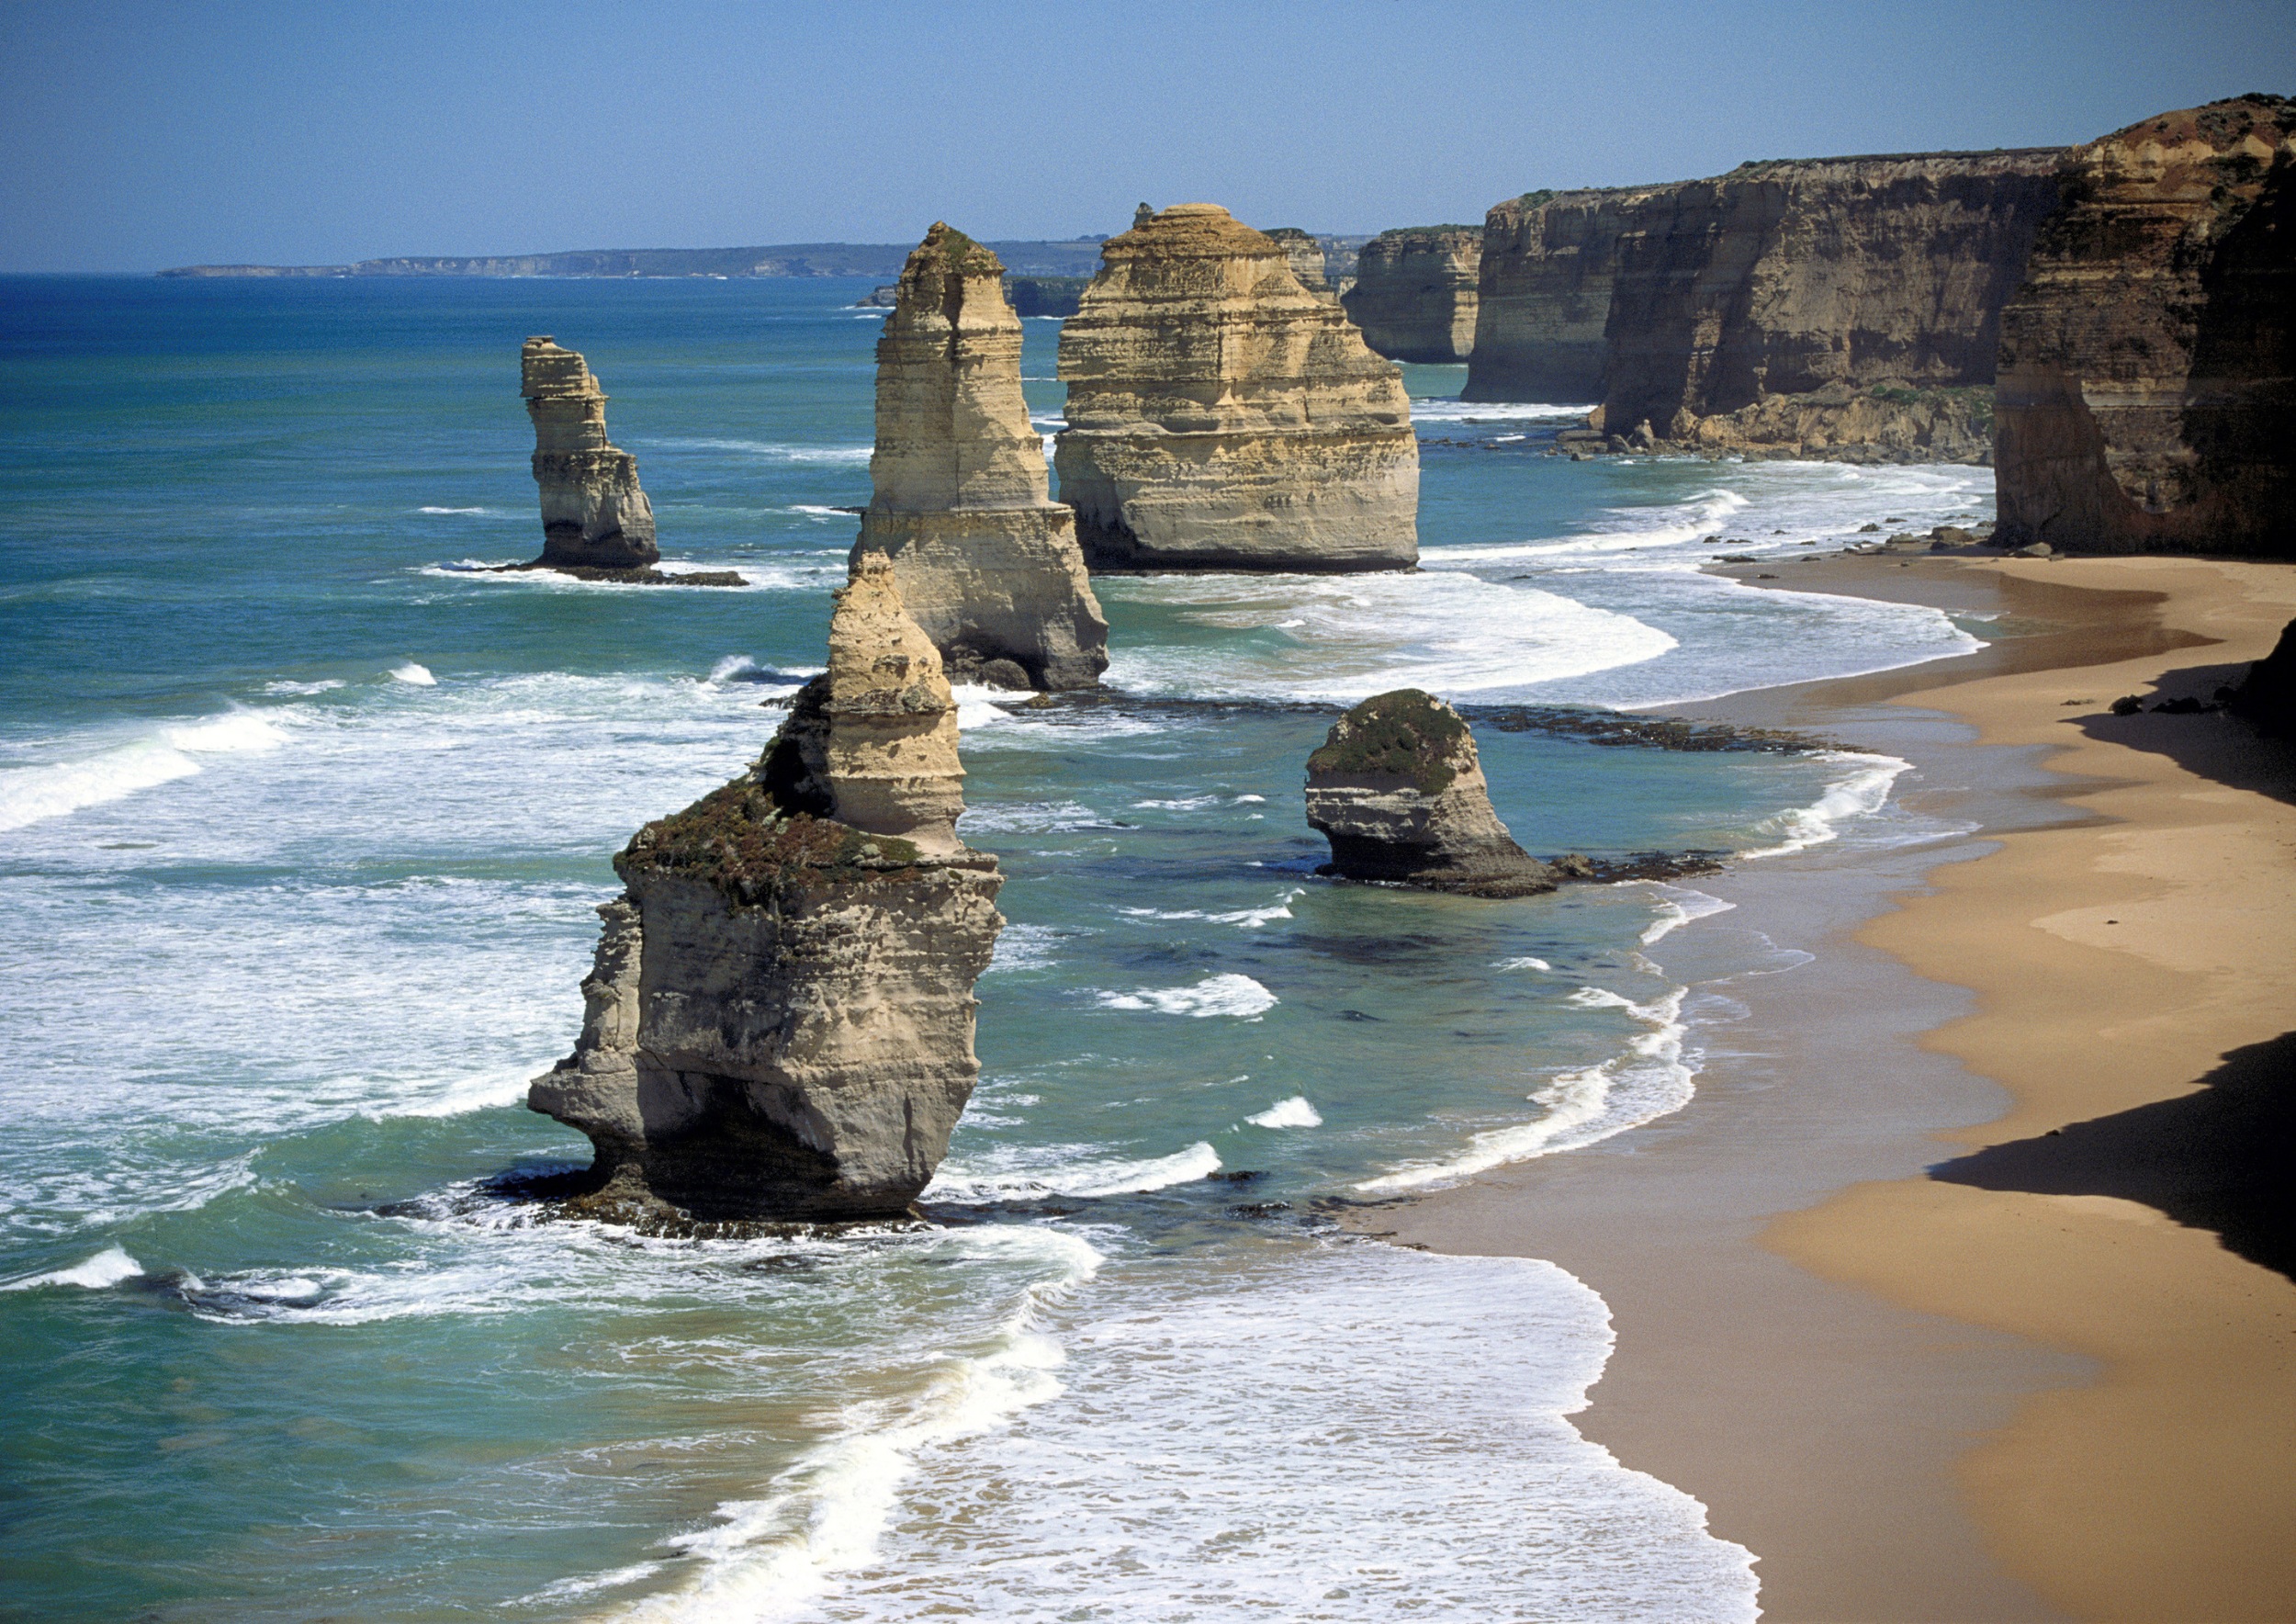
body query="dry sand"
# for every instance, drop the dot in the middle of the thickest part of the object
(2017, 1383)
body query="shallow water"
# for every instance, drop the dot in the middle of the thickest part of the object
(302, 823)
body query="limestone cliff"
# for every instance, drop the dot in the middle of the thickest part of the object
(1838, 307)
(1304, 251)
(2147, 391)
(1220, 416)
(988, 564)
(1399, 792)
(1415, 296)
(594, 514)
(779, 1022)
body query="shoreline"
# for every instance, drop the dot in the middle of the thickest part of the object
(1913, 1396)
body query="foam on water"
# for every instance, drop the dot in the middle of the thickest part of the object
(1069, 1170)
(416, 675)
(1860, 793)
(1225, 994)
(30, 793)
(1678, 905)
(108, 1267)
(1294, 1113)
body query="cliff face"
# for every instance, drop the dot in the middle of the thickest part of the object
(2147, 392)
(1399, 792)
(1833, 307)
(1220, 416)
(1542, 295)
(594, 514)
(1415, 296)
(779, 1022)
(988, 564)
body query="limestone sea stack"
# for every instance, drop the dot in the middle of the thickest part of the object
(2147, 390)
(779, 1022)
(1222, 416)
(1415, 294)
(1399, 792)
(594, 514)
(988, 564)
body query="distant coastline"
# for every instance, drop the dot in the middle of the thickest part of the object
(1079, 257)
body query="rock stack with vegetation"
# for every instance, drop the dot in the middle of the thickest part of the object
(1399, 791)
(1222, 416)
(779, 1022)
(988, 564)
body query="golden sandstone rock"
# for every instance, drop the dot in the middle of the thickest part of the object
(1222, 416)
(1416, 293)
(594, 514)
(988, 564)
(779, 1022)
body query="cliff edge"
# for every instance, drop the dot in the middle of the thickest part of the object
(1415, 294)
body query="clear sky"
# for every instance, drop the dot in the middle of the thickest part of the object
(142, 133)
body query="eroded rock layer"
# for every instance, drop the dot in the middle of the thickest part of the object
(779, 1022)
(1399, 791)
(988, 564)
(2147, 390)
(1222, 416)
(594, 516)
(1839, 307)
(1415, 297)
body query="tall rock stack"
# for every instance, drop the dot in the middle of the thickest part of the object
(594, 514)
(1220, 416)
(988, 564)
(1416, 293)
(2147, 390)
(1543, 289)
(1398, 790)
(779, 1022)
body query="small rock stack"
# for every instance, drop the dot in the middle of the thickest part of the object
(779, 1022)
(988, 564)
(594, 514)
(1399, 792)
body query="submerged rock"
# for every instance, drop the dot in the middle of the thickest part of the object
(988, 565)
(779, 1022)
(1223, 416)
(2147, 390)
(1397, 789)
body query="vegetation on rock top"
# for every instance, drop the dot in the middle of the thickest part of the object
(1407, 734)
(738, 840)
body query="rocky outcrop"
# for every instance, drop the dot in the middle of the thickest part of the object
(1844, 308)
(1304, 251)
(2147, 390)
(1220, 416)
(1543, 294)
(2266, 695)
(1399, 791)
(779, 1022)
(594, 514)
(1415, 296)
(988, 564)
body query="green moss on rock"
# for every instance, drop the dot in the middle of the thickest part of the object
(1408, 735)
(737, 839)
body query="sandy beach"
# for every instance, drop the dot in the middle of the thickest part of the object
(1924, 1294)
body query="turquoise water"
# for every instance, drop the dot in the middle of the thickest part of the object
(301, 824)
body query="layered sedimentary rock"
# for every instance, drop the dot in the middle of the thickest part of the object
(1839, 307)
(594, 514)
(779, 1022)
(2147, 390)
(1220, 416)
(988, 564)
(1415, 297)
(1304, 251)
(1399, 791)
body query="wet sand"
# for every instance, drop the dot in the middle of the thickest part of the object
(1926, 1358)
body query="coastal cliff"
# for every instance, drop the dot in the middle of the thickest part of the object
(1416, 293)
(1840, 308)
(1398, 790)
(1222, 416)
(593, 513)
(779, 1022)
(988, 564)
(2147, 392)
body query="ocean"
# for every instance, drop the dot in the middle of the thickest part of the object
(303, 820)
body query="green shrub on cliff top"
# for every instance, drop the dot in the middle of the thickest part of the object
(736, 840)
(1407, 734)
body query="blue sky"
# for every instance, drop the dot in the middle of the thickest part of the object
(136, 135)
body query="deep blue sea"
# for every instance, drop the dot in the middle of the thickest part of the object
(302, 824)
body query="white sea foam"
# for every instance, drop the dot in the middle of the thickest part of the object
(1294, 1113)
(1860, 795)
(1026, 947)
(777, 450)
(450, 510)
(1068, 1170)
(1031, 818)
(1678, 906)
(1649, 1080)
(1524, 963)
(305, 689)
(1249, 919)
(583, 1584)
(417, 675)
(28, 795)
(1225, 994)
(1438, 409)
(108, 1267)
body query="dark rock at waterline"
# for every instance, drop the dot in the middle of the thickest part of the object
(2267, 695)
(640, 576)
